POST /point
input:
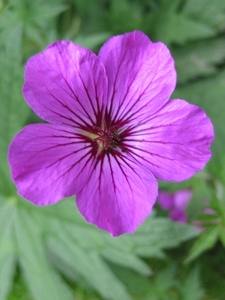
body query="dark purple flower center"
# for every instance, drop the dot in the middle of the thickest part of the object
(107, 135)
(107, 140)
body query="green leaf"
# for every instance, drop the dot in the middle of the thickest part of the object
(124, 16)
(160, 233)
(14, 109)
(92, 268)
(37, 12)
(34, 19)
(207, 11)
(222, 235)
(171, 27)
(7, 248)
(80, 251)
(92, 41)
(7, 266)
(136, 285)
(126, 259)
(153, 236)
(42, 280)
(88, 19)
(218, 205)
(207, 217)
(198, 58)
(10, 38)
(83, 257)
(191, 288)
(162, 283)
(206, 241)
(165, 279)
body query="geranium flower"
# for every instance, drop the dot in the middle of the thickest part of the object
(113, 130)
(176, 203)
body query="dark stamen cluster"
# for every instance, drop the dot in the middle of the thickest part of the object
(108, 139)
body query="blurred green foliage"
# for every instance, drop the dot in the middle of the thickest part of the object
(51, 253)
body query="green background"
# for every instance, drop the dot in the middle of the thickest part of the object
(51, 253)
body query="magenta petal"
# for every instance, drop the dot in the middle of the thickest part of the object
(141, 75)
(176, 203)
(175, 142)
(45, 162)
(209, 211)
(118, 196)
(66, 84)
(165, 200)
(178, 215)
(182, 198)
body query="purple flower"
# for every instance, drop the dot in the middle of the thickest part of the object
(113, 130)
(176, 203)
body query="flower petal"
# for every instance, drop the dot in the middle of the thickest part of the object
(182, 198)
(141, 75)
(45, 162)
(165, 200)
(118, 196)
(174, 143)
(66, 84)
(178, 215)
